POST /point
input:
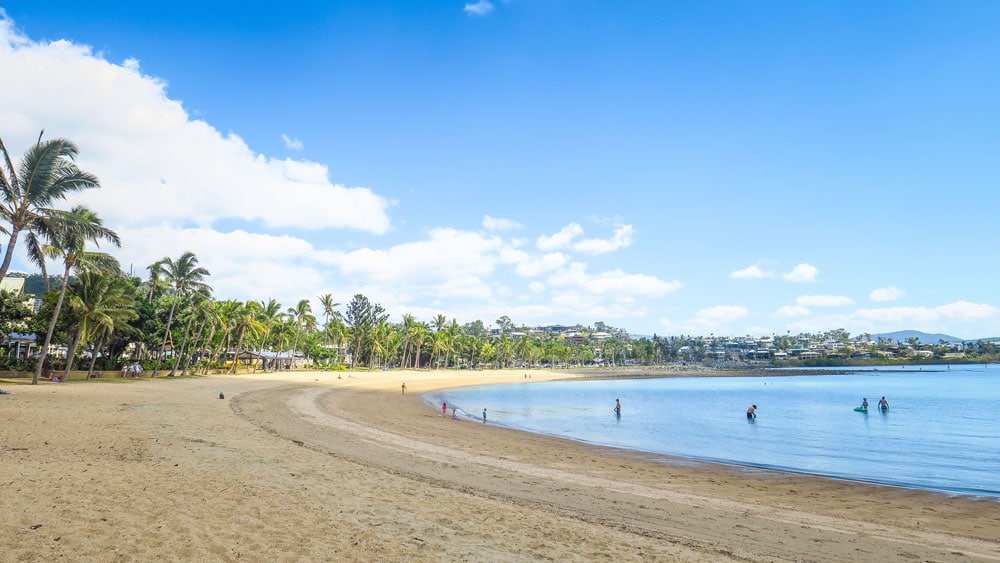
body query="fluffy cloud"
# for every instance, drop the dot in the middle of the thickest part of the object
(531, 267)
(134, 138)
(886, 294)
(751, 273)
(621, 239)
(562, 239)
(925, 316)
(614, 282)
(823, 300)
(290, 143)
(792, 311)
(447, 254)
(480, 8)
(494, 224)
(801, 273)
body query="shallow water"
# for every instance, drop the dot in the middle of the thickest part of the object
(940, 432)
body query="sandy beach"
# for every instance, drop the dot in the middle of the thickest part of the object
(316, 466)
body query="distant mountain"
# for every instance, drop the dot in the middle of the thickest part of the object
(922, 337)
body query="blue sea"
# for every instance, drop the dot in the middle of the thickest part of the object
(941, 431)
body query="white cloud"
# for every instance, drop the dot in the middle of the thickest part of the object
(613, 282)
(621, 239)
(792, 311)
(494, 224)
(559, 240)
(447, 254)
(751, 273)
(546, 263)
(823, 300)
(156, 164)
(801, 273)
(290, 143)
(886, 294)
(721, 314)
(480, 8)
(924, 316)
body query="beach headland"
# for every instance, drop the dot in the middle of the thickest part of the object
(322, 466)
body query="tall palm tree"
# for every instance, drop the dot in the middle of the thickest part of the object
(103, 304)
(246, 322)
(199, 299)
(421, 332)
(408, 322)
(302, 313)
(183, 276)
(326, 302)
(46, 174)
(268, 314)
(202, 314)
(70, 232)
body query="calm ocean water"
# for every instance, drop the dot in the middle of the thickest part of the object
(941, 432)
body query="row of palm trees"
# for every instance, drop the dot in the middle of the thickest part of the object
(100, 309)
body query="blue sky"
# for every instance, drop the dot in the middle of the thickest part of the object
(664, 167)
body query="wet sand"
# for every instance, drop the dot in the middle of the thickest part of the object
(312, 467)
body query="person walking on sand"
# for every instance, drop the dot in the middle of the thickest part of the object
(752, 412)
(404, 388)
(444, 408)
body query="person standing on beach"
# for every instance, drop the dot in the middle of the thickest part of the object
(484, 416)
(444, 408)
(404, 388)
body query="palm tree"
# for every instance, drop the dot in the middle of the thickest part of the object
(202, 314)
(326, 302)
(46, 174)
(199, 299)
(302, 313)
(70, 232)
(245, 322)
(268, 314)
(103, 304)
(421, 332)
(182, 276)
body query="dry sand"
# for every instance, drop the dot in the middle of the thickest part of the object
(309, 467)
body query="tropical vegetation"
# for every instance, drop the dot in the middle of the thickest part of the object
(103, 319)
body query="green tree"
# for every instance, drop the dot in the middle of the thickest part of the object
(13, 312)
(302, 313)
(104, 304)
(182, 276)
(269, 313)
(70, 233)
(46, 174)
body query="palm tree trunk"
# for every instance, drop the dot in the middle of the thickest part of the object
(166, 332)
(197, 339)
(187, 334)
(239, 348)
(52, 326)
(71, 353)
(10, 252)
(93, 358)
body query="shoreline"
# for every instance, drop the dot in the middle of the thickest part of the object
(311, 466)
(682, 372)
